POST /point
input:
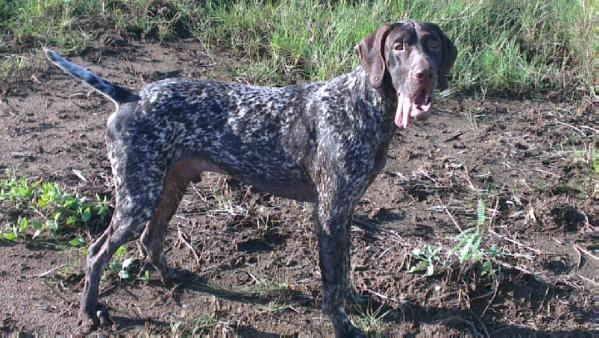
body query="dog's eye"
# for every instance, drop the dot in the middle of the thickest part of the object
(434, 44)
(398, 46)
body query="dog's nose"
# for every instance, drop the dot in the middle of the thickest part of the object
(424, 74)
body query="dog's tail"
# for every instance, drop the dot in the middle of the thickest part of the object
(114, 92)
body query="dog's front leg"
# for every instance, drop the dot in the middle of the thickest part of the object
(332, 217)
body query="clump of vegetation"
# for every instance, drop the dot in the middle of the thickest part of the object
(469, 250)
(371, 320)
(506, 47)
(127, 268)
(194, 327)
(37, 208)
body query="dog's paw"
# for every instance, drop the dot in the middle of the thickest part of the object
(345, 328)
(350, 331)
(104, 318)
(91, 320)
(86, 324)
(356, 333)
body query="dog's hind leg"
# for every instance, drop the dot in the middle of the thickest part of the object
(136, 202)
(152, 239)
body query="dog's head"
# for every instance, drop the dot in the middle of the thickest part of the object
(415, 57)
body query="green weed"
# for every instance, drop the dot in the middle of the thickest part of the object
(265, 286)
(40, 207)
(469, 249)
(123, 266)
(371, 320)
(425, 260)
(587, 156)
(274, 306)
(196, 327)
(13, 65)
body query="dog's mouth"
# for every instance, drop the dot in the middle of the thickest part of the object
(415, 106)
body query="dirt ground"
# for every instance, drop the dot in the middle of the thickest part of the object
(252, 257)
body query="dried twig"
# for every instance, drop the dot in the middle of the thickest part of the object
(187, 244)
(492, 298)
(579, 260)
(199, 194)
(538, 252)
(79, 174)
(44, 274)
(494, 213)
(544, 297)
(521, 269)
(457, 225)
(381, 296)
(573, 127)
(585, 251)
(589, 280)
(482, 325)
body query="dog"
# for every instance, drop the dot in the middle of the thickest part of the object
(321, 142)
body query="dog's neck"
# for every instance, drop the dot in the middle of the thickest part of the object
(384, 98)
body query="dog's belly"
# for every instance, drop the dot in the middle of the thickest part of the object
(273, 173)
(283, 180)
(299, 191)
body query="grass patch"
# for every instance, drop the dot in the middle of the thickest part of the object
(470, 250)
(508, 47)
(371, 321)
(195, 327)
(38, 208)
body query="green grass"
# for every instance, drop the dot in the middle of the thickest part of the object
(506, 46)
(469, 250)
(38, 208)
(195, 327)
(371, 320)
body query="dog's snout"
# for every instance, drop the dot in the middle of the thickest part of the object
(424, 73)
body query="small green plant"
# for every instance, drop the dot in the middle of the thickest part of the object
(425, 260)
(120, 265)
(13, 65)
(371, 320)
(44, 207)
(468, 248)
(481, 212)
(265, 286)
(487, 265)
(274, 306)
(195, 327)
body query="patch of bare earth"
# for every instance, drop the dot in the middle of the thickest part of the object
(253, 258)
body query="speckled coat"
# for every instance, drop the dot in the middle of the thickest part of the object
(322, 142)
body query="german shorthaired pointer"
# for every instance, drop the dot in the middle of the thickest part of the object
(322, 142)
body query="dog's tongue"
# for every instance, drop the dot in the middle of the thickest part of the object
(407, 108)
(402, 115)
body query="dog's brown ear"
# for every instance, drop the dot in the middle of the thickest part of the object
(449, 53)
(371, 52)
